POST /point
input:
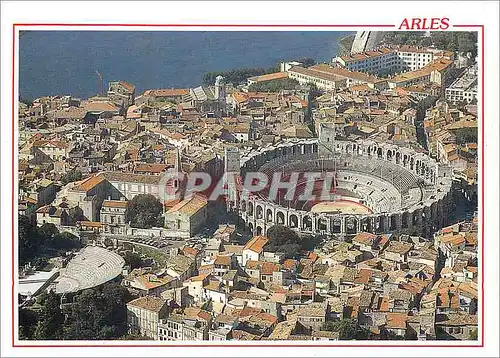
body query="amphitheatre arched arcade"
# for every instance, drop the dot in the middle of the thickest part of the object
(392, 189)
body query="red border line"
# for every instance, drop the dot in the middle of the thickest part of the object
(14, 197)
(197, 25)
(230, 345)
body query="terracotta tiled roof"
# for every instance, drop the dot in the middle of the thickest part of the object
(173, 92)
(189, 206)
(115, 204)
(197, 313)
(256, 244)
(100, 107)
(132, 178)
(44, 209)
(458, 319)
(365, 238)
(89, 183)
(269, 77)
(150, 168)
(383, 304)
(190, 251)
(50, 143)
(251, 264)
(128, 86)
(363, 276)
(399, 247)
(454, 240)
(149, 303)
(224, 260)
(396, 320)
(241, 335)
(268, 268)
(91, 224)
(150, 281)
(290, 264)
(198, 278)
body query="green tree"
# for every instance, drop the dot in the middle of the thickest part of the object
(133, 260)
(47, 231)
(76, 214)
(143, 211)
(235, 76)
(71, 176)
(314, 92)
(347, 328)
(27, 323)
(283, 239)
(133, 337)
(306, 61)
(65, 241)
(108, 242)
(27, 238)
(473, 335)
(98, 313)
(444, 40)
(50, 318)
(274, 85)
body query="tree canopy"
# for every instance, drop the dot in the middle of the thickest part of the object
(283, 239)
(133, 259)
(27, 323)
(50, 318)
(71, 176)
(235, 76)
(461, 41)
(35, 242)
(347, 328)
(144, 211)
(240, 75)
(274, 85)
(306, 61)
(98, 313)
(27, 238)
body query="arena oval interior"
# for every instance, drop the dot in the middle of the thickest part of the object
(377, 187)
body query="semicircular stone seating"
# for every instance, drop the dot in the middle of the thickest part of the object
(399, 188)
(92, 266)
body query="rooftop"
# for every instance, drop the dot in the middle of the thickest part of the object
(269, 77)
(149, 303)
(115, 204)
(256, 244)
(189, 206)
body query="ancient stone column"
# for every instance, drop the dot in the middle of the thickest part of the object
(342, 225)
(399, 222)
(373, 224)
(329, 225)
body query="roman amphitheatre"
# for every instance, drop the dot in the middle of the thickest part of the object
(377, 187)
(92, 266)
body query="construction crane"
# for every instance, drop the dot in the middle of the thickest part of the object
(99, 83)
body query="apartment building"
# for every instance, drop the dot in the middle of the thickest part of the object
(387, 59)
(144, 314)
(463, 88)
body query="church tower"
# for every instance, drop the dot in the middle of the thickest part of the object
(231, 173)
(220, 89)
